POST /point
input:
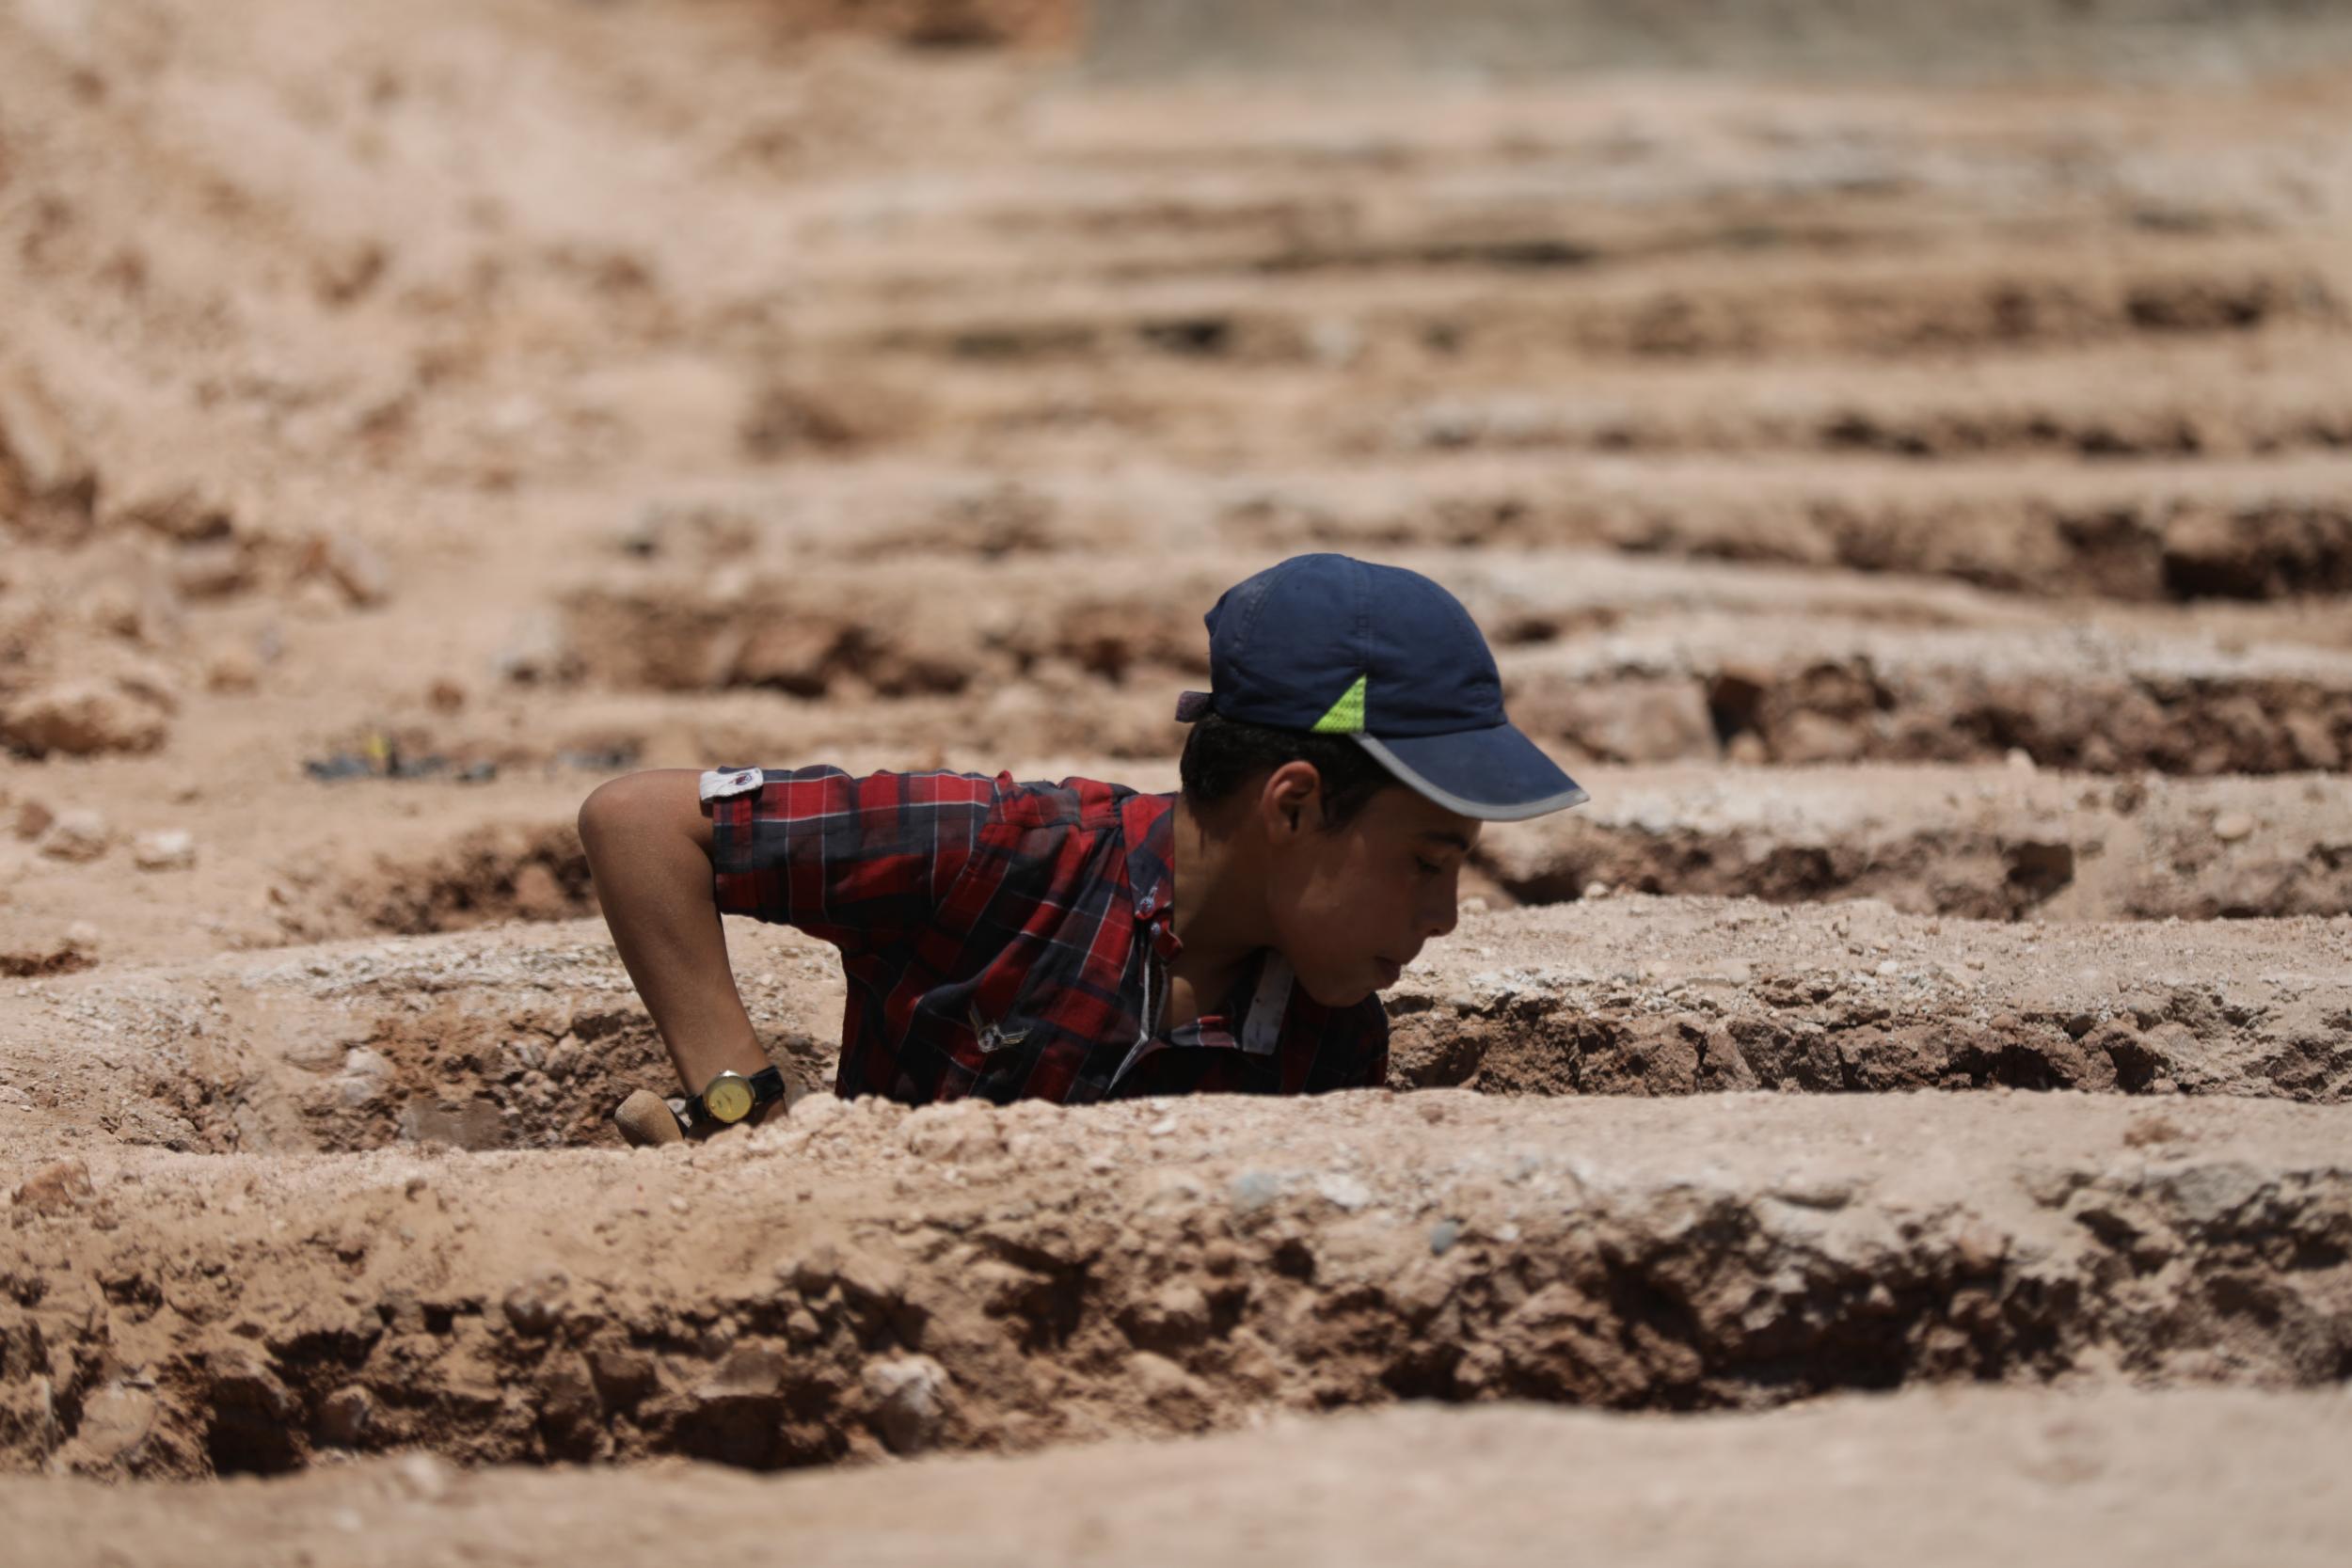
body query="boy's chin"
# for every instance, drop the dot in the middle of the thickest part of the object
(1347, 994)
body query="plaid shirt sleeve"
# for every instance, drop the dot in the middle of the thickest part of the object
(859, 863)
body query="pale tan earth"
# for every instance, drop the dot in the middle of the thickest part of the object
(1930, 1477)
(1923, 519)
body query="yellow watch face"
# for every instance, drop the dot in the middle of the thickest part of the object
(728, 1099)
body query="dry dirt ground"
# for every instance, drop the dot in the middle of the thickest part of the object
(1906, 1111)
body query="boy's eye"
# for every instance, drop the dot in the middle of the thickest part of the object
(1427, 869)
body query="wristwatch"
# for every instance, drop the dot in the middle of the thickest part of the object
(730, 1097)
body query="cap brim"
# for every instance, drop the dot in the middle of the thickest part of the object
(1495, 775)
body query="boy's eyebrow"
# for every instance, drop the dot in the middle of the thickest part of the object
(1456, 840)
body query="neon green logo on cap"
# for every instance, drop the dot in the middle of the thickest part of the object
(1348, 715)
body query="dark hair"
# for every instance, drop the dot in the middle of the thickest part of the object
(1222, 754)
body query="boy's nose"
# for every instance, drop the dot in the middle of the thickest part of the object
(1441, 918)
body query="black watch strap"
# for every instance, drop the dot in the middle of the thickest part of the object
(767, 1088)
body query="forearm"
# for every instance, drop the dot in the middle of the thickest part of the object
(648, 849)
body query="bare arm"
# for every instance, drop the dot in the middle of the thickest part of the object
(648, 847)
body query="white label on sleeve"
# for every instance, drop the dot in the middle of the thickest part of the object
(722, 784)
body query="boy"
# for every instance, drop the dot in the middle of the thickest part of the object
(1081, 940)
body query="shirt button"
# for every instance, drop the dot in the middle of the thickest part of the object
(1148, 905)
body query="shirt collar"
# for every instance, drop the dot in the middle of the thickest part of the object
(1149, 824)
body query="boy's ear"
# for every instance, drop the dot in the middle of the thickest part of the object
(1292, 799)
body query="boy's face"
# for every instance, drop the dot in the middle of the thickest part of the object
(1352, 908)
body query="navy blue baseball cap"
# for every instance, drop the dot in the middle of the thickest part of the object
(1335, 646)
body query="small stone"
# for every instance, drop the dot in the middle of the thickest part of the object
(532, 1307)
(1253, 1190)
(172, 850)
(41, 444)
(56, 1188)
(353, 567)
(170, 508)
(814, 1274)
(83, 937)
(366, 1076)
(1598, 890)
(1979, 1248)
(243, 1375)
(445, 696)
(233, 672)
(537, 653)
(79, 835)
(2231, 825)
(33, 819)
(423, 1477)
(211, 569)
(872, 1276)
(746, 1372)
(568, 1400)
(82, 717)
(2315, 744)
(1443, 1236)
(1342, 1191)
(316, 599)
(115, 1423)
(1178, 1313)
(2216, 1193)
(1816, 738)
(909, 1395)
(1161, 1128)
(1815, 1190)
(622, 1375)
(345, 1416)
(2018, 760)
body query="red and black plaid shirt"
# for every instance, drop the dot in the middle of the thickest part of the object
(1001, 940)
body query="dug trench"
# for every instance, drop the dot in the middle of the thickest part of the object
(2119, 535)
(1616, 659)
(519, 1037)
(1757, 690)
(1889, 307)
(479, 875)
(863, 1280)
(1985, 843)
(525, 1037)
